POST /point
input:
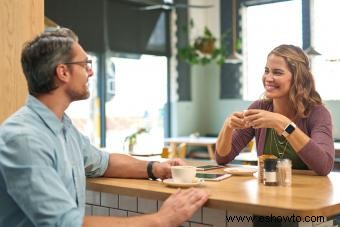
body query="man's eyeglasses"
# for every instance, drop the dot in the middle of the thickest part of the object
(86, 64)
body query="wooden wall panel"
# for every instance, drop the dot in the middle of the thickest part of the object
(20, 20)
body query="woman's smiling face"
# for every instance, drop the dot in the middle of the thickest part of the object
(276, 78)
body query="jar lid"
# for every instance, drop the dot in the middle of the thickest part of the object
(270, 164)
(265, 156)
(284, 161)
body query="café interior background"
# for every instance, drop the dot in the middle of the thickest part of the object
(145, 88)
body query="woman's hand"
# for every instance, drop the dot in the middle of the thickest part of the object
(236, 120)
(256, 118)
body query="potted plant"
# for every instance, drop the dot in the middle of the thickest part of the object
(131, 140)
(203, 49)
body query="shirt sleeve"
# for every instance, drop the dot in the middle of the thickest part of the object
(35, 186)
(95, 160)
(240, 139)
(318, 153)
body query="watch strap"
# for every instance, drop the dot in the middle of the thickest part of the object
(289, 129)
(149, 170)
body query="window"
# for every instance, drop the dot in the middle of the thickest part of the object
(141, 96)
(265, 27)
(326, 36)
(140, 88)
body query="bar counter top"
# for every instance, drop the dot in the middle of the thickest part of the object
(309, 194)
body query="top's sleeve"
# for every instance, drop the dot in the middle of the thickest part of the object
(318, 153)
(35, 186)
(240, 139)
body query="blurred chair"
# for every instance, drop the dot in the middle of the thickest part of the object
(179, 151)
(200, 152)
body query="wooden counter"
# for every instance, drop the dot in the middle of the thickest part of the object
(308, 195)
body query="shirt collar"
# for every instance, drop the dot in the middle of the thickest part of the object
(47, 116)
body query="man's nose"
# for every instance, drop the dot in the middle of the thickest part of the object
(89, 72)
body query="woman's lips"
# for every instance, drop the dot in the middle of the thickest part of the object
(270, 87)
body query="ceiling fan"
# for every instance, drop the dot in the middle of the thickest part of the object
(166, 5)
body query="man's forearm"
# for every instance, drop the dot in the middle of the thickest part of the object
(125, 166)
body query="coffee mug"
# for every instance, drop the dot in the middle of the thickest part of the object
(183, 174)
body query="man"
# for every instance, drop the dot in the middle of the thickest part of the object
(44, 159)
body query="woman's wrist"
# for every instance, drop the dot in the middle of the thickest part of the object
(281, 123)
(227, 124)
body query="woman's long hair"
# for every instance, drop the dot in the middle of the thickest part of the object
(302, 94)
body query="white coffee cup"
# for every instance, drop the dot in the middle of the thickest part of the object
(183, 174)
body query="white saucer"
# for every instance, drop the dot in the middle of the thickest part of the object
(170, 182)
(241, 171)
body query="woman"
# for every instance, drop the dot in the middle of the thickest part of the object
(290, 122)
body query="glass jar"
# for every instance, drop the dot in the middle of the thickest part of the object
(284, 172)
(260, 165)
(270, 176)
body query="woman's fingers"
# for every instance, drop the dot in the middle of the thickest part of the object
(252, 118)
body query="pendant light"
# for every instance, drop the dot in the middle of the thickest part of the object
(234, 57)
(310, 51)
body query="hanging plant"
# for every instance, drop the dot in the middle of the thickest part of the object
(203, 49)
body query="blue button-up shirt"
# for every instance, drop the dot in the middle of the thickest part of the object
(43, 164)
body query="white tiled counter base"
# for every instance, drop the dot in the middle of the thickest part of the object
(106, 204)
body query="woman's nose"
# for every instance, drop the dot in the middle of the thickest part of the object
(269, 76)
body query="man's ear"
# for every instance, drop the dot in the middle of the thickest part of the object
(62, 72)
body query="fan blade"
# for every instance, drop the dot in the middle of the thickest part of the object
(192, 6)
(169, 6)
(147, 2)
(154, 7)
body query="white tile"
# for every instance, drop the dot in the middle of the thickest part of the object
(215, 217)
(235, 223)
(100, 211)
(160, 203)
(88, 210)
(127, 203)
(192, 224)
(118, 213)
(147, 206)
(326, 223)
(185, 224)
(305, 224)
(93, 197)
(132, 214)
(197, 217)
(315, 223)
(109, 200)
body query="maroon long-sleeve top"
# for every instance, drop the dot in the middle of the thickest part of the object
(317, 154)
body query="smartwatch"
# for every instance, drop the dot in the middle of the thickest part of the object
(289, 129)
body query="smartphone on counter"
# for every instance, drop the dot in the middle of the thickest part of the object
(213, 176)
(208, 167)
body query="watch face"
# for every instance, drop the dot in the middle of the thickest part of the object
(290, 128)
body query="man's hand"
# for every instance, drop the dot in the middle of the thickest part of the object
(181, 205)
(163, 170)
